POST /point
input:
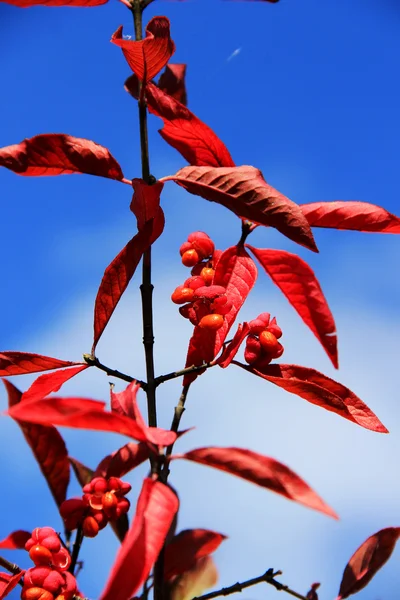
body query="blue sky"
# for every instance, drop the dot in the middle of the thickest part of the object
(312, 100)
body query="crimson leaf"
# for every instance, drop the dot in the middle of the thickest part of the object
(357, 216)
(47, 445)
(319, 389)
(59, 154)
(50, 382)
(182, 130)
(244, 191)
(367, 560)
(187, 547)
(147, 57)
(298, 282)
(156, 509)
(261, 470)
(16, 540)
(20, 363)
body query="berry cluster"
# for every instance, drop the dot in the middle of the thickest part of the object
(49, 579)
(262, 342)
(205, 304)
(103, 500)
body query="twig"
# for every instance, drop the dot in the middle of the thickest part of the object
(268, 577)
(76, 549)
(93, 361)
(6, 564)
(179, 410)
(175, 374)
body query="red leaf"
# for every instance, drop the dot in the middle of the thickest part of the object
(172, 82)
(59, 154)
(16, 540)
(127, 402)
(182, 130)
(83, 473)
(119, 273)
(8, 583)
(193, 583)
(358, 216)
(20, 363)
(322, 391)
(312, 592)
(145, 203)
(50, 382)
(83, 413)
(147, 57)
(156, 508)
(232, 348)
(261, 470)
(123, 460)
(298, 282)
(367, 560)
(29, 3)
(187, 547)
(46, 443)
(244, 191)
(237, 273)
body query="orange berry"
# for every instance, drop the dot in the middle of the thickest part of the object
(182, 295)
(36, 593)
(90, 527)
(190, 258)
(212, 322)
(185, 246)
(40, 555)
(268, 341)
(207, 274)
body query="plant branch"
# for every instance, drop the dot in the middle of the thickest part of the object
(179, 410)
(6, 564)
(175, 374)
(146, 289)
(76, 549)
(268, 577)
(93, 361)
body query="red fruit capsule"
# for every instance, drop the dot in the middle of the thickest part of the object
(185, 246)
(36, 593)
(90, 527)
(268, 342)
(190, 258)
(40, 555)
(212, 322)
(182, 295)
(207, 274)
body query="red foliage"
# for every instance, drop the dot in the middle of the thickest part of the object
(244, 191)
(182, 130)
(300, 286)
(59, 154)
(172, 82)
(261, 470)
(8, 583)
(147, 57)
(47, 445)
(16, 540)
(20, 363)
(367, 560)
(50, 382)
(357, 216)
(187, 547)
(322, 391)
(156, 509)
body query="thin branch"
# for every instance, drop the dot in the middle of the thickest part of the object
(76, 549)
(93, 361)
(6, 564)
(268, 577)
(187, 370)
(179, 410)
